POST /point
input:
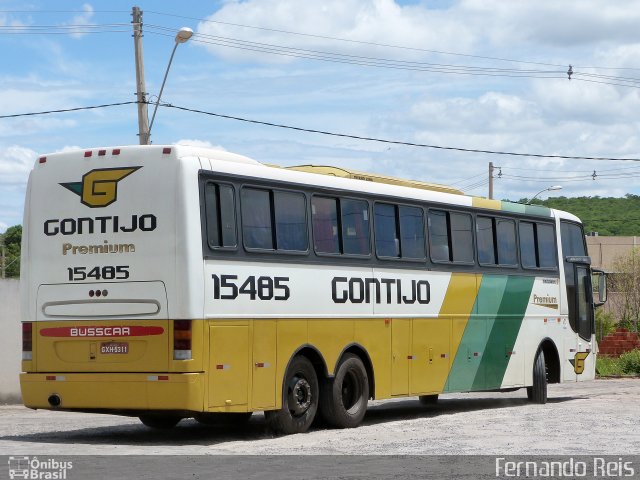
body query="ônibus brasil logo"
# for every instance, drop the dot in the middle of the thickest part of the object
(99, 188)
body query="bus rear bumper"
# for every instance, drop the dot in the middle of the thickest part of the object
(114, 392)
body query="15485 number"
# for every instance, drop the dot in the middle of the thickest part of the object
(226, 287)
(109, 272)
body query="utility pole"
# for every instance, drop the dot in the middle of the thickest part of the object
(4, 261)
(143, 113)
(490, 180)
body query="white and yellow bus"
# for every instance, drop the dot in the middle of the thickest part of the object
(169, 282)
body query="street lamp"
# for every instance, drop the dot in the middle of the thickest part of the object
(550, 189)
(182, 36)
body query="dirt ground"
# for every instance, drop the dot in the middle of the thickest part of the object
(593, 418)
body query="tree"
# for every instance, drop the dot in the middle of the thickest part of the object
(12, 239)
(625, 283)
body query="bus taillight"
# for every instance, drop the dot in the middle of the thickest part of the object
(27, 341)
(182, 339)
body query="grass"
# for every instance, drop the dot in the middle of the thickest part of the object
(608, 366)
(627, 364)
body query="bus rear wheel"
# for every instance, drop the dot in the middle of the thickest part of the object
(159, 422)
(537, 393)
(343, 400)
(300, 395)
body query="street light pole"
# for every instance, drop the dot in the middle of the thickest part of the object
(182, 36)
(143, 113)
(550, 189)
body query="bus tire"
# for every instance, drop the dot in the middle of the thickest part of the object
(300, 398)
(344, 398)
(159, 422)
(223, 419)
(537, 393)
(428, 399)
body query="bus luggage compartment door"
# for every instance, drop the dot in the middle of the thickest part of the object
(102, 327)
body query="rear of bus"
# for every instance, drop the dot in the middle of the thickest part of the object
(107, 311)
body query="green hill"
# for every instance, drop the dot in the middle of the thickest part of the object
(605, 215)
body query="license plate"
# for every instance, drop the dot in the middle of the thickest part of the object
(114, 347)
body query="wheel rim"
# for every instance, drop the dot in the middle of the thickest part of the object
(299, 396)
(351, 391)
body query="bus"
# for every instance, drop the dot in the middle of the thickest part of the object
(169, 282)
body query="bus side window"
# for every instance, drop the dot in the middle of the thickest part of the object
(386, 231)
(324, 213)
(506, 242)
(355, 226)
(537, 245)
(256, 218)
(412, 232)
(461, 237)
(438, 236)
(399, 231)
(291, 221)
(546, 246)
(220, 215)
(485, 234)
(274, 220)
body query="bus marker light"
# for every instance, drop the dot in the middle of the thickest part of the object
(223, 367)
(57, 378)
(410, 357)
(42, 160)
(182, 340)
(166, 150)
(572, 350)
(444, 355)
(116, 151)
(88, 153)
(91, 293)
(475, 354)
(27, 341)
(102, 153)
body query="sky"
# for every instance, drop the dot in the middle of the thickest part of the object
(485, 75)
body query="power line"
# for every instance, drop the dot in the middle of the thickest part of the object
(386, 45)
(333, 134)
(75, 109)
(395, 142)
(360, 60)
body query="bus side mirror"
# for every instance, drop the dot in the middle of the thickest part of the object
(601, 275)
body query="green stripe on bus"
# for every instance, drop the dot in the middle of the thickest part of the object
(503, 333)
(467, 361)
(526, 209)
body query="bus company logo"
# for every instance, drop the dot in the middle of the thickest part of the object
(578, 362)
(99, 188)
(33, 468)
(86, 331)
(545, 301)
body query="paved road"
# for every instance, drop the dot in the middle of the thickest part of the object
(593, 418)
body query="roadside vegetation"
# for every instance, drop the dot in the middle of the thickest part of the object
(605, 215)
(627, 364)
(10, 245)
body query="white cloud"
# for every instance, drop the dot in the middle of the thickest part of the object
(373, 21)
(83, 18)
(200, 143)
(15, 164)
